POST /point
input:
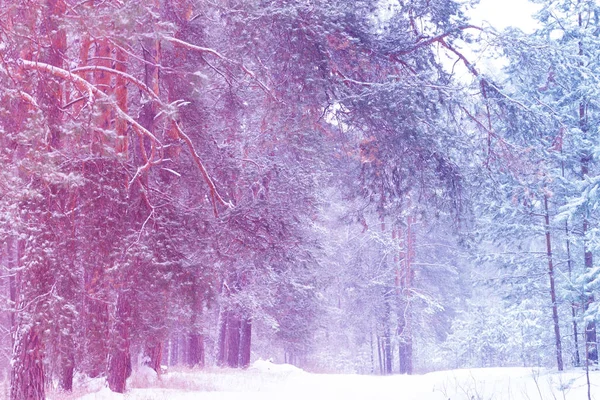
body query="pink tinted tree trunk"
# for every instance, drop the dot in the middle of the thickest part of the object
(27, 375)
(119, 363)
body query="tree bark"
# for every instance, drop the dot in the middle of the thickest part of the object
(27, 375)
(174, 350)
(590, 329)
(233, 340)
(229, 340)
(387, 333)
(102, 80)
(404, 285)
(577, 359)
(67, 366)
(557, 338)
(12, 260)
(154, 352)
(222, 349)
(387, 352)
(119, 363)
(196, 350)
(95, 317)
(245, 342)
(380, 355)
(33, 283)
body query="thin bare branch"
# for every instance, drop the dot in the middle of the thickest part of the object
(215, 53)
(212, 187)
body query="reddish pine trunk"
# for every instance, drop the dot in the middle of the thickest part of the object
(67, 366)
(102, 80)
(229, 340)
(233, 341)
(51, 92)
(196, 350)
(154, 351)
(121, 146)
(13, 257)
(119, 369)
(174, 350)
(27, 375)
(245, 342)
(27, 372)
(119, 364)
(96, 331)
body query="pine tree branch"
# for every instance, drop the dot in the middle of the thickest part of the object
(141, 85)
(92, 91)
(220, 56)
(215, 195)
(439, 38)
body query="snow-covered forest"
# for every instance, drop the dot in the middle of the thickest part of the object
(366, 187)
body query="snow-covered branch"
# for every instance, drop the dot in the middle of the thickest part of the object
(92, 91)
(220, 56)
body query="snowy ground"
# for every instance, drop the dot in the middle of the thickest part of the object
(265, 380)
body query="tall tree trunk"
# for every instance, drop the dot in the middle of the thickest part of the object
(154, 352)
(223, 342)
(67, 367)
(195, 338)
(33, 283)
(66, 342)
(174, 349)
(95, 323)
(577, 359)
(372, 354)
(196, 350)
(119, 362)
(122, 142)
(27, 375)
(12, 264)
(102, 80)
(27, 369)
(387, 333)
(245, 342)
(557, 338)
(405, 354)
(387, 353)
(233, 339)
(380, 355)
(405, 346)
(229, 340)
(590, 329)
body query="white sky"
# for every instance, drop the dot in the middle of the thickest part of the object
(499, 14)
(504, 13)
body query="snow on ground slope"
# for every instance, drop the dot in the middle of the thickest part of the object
(265, 380)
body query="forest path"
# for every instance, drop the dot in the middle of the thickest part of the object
(266, 381)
